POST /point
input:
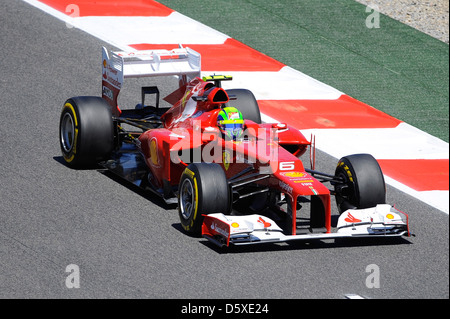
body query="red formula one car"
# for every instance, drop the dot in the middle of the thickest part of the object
(236, 180)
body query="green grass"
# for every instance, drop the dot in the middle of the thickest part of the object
(394, 68)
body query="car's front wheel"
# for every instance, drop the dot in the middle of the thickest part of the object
(203, 189)
(363, 182)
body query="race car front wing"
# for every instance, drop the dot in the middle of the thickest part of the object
(380, 221)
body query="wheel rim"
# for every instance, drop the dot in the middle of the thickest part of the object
(347, 195)
(67, 132)
(187, 199)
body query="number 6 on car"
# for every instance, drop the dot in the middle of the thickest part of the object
(287, 166)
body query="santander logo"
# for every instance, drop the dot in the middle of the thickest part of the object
(351, 219)
(265, 224)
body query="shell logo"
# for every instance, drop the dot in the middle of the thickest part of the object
(295, 174)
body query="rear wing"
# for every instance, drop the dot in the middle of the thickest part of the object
(182, 62)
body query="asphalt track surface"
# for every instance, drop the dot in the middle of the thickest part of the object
(130, 245)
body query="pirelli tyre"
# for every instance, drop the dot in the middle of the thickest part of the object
(246, 103)
(203, 190)
(364, 184)
(86, 132)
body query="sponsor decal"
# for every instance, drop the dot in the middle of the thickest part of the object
(313, 190)
(189, 172)
(219, 230)
(107, 92)
(111, 75)
(285, 187)
(306, 182)
(233, 115)
(184, 99)
(73, 149)
(265, 224)
(295, 174)
(347, 170)
(351, 219)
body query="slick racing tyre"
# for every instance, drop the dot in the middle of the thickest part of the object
(363, 185)
(86, 132)
(203, 190)
(246, 103)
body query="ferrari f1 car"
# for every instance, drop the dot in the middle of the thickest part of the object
(236, 179)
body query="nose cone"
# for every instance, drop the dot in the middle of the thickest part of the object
(301, 183)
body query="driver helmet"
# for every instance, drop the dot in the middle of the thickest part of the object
(231, 123)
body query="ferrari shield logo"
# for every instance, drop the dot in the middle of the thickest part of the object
(226, 159)
(154, 152)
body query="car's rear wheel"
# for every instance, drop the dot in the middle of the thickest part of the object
(363, 183)
(86, 132)
(203, 190)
